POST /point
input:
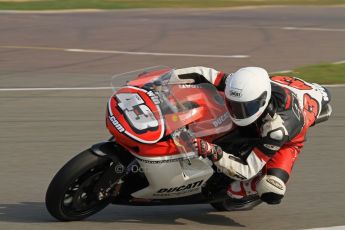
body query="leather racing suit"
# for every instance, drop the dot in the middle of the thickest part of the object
(295, 106)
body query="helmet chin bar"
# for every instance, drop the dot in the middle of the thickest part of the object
(244, 113)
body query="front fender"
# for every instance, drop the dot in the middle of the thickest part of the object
(112, 151)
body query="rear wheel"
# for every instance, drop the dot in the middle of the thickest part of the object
(232, 205)
(71, 195)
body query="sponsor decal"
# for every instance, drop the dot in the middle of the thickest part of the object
(154, 97)
(185, 188)
(190, 86)
(186, 192)
(272, 147)
(235, 92)
(117, 124)
(274, 183)
(220, 120)
(155, 161)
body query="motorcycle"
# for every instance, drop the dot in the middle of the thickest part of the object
(150, 158)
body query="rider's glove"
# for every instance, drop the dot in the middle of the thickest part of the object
(205, 149)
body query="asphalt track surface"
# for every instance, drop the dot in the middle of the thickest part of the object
(41, 130)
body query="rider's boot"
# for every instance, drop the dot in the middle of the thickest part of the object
(241, 189)
(244, 193)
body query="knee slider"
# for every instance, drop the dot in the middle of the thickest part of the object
(271, 189)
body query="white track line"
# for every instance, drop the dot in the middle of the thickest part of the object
(317, 29)
(329, 228)
(155, 54)
(71, 11)
(335, 85)
(314, 29)
(124, 52)
(339, 62)
(283, 71)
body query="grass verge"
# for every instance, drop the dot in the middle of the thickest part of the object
(128, 4)
(323, 73)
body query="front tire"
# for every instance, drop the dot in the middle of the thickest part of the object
(70, 195)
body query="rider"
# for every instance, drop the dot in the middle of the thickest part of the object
(278, 111)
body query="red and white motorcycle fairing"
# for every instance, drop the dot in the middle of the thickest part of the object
(155, 117)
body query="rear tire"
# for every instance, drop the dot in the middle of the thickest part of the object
(222, 206)
(236, 205)
(70, 195)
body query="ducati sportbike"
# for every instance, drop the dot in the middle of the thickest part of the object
(150, 159)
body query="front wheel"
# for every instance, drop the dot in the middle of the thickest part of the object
(70, 195)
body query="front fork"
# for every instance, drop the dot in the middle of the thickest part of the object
(108, 184)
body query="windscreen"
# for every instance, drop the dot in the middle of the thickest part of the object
(188, 110)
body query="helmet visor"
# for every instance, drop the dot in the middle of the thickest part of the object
(242, 110)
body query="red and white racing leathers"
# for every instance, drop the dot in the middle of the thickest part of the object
(267, 168)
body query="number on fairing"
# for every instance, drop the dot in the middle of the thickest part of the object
(138, 114)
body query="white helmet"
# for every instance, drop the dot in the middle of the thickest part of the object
(248, 92)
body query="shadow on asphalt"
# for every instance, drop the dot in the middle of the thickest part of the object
(35, 212)
(173, 215)
(25, 212)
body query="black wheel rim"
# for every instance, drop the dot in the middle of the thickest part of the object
(80, 199)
